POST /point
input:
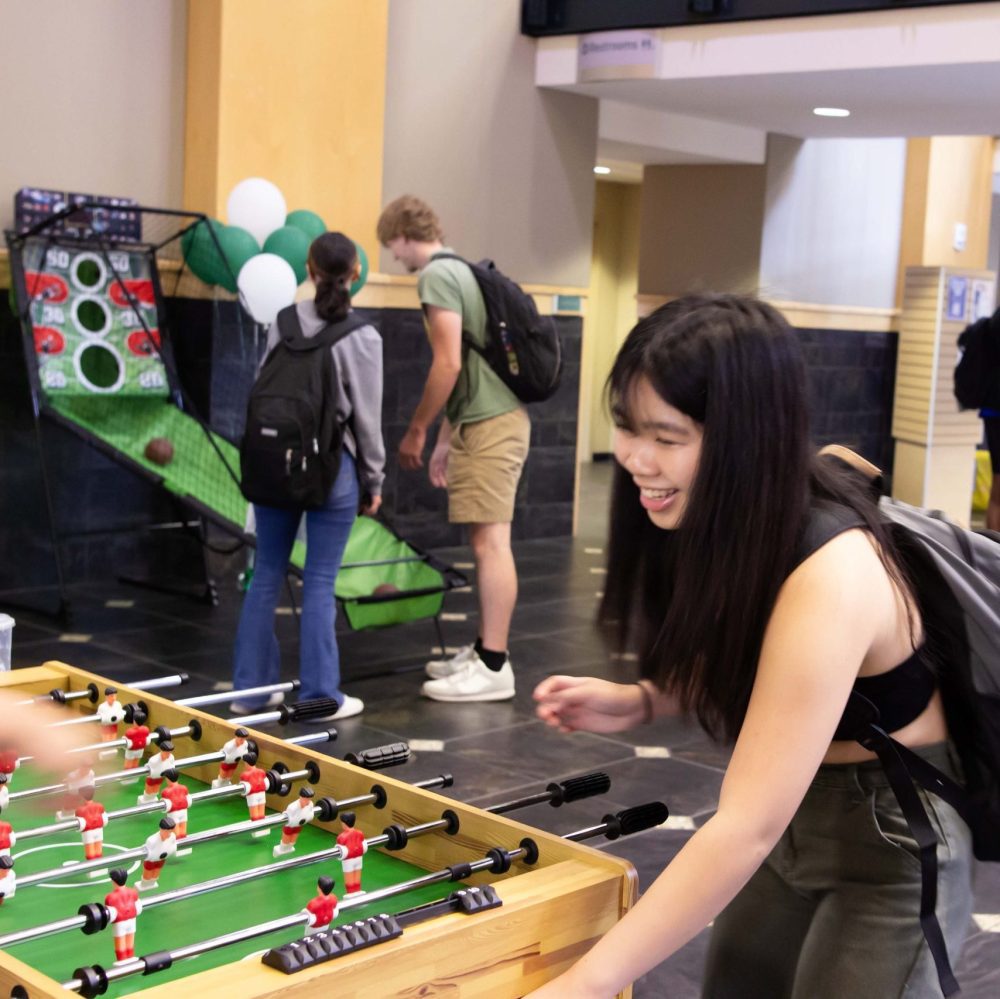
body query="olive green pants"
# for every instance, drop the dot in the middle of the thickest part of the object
(834, 911)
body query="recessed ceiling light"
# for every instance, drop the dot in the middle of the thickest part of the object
(832, 112)
(602, 170)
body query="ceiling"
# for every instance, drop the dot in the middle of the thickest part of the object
(898, 101)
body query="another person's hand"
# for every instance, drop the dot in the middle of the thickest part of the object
(371, 505)
(26, 729)
(437, 469)
(411, 448)
(587, 704)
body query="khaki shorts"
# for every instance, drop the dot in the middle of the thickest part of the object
(484, 466)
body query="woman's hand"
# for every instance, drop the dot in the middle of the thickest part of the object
(587, 704)
(371, 505)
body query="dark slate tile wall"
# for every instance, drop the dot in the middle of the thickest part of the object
(544, 505)
(852, 377)
(101, 512)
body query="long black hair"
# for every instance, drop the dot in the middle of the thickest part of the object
(694, 602)
(333, 257)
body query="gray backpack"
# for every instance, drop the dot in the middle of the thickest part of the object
(956, 574)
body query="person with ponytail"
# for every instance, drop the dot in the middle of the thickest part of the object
(742, 617)
(356, 388)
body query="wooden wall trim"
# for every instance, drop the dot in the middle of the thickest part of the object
(808, 315)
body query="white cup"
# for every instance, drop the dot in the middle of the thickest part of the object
(6, 632)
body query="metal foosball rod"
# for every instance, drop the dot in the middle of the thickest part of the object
(91, 920)
(92, 693)
(195, 839)
(120, 776)
(135, 712)
(228, 695)
(94, 980)
(192, 728)
(282, 781)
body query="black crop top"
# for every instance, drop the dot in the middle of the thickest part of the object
(900, 695)
(892, 699)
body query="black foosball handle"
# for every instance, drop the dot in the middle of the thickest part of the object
(636, 819)
(318, 707)
(380, 757)
(578, 788)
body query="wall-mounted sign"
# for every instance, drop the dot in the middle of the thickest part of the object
(984, 298)
(955, 300)
(567, 303)
(614, 55)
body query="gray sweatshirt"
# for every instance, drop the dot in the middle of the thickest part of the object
(357, 370)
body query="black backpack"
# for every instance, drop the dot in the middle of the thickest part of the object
(977, 363)
(291, 447)
(956, 574)
(522, 347)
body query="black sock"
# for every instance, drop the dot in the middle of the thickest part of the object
(492, 660)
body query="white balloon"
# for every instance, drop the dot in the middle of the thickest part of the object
(258, 206)
(267, 284)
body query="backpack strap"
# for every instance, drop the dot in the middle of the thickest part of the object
(293, 338)
(467, 340)
(902, 767)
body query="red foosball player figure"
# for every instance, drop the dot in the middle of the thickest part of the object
(232, 752)
(136, 740)
(355, 847)
(7, 838)
(8, 880)
(179, 798)
(323, 908)
(9, 762)
(298, 814)
(110, 713)
(157, 764)
(254, 780)
(159, 846)
(124, 905)
(92, 818)
(76, 780)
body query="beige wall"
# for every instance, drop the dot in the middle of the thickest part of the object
(834, 209)
(92, 98)
(701, 229)
(294, 93)
(611, 306)
(509, 168)
(948, 181)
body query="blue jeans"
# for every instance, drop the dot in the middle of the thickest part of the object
(257, 658)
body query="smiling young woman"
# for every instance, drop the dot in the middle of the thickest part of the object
(807, 868)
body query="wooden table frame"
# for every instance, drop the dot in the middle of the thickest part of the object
(551, 913)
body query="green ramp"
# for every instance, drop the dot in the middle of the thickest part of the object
(197, 475)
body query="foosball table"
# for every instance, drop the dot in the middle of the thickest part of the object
(453, 899)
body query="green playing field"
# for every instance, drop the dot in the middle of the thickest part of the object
(190, 920)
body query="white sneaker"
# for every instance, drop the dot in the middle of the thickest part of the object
(350, 707)
(437, 669)
(273, 700)
(473, 681)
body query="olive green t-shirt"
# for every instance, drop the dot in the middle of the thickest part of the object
(479, 393)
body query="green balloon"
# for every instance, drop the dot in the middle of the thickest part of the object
(309, 222)
(292, 245)
(201, 251)
(238, 246)
(363, 276)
